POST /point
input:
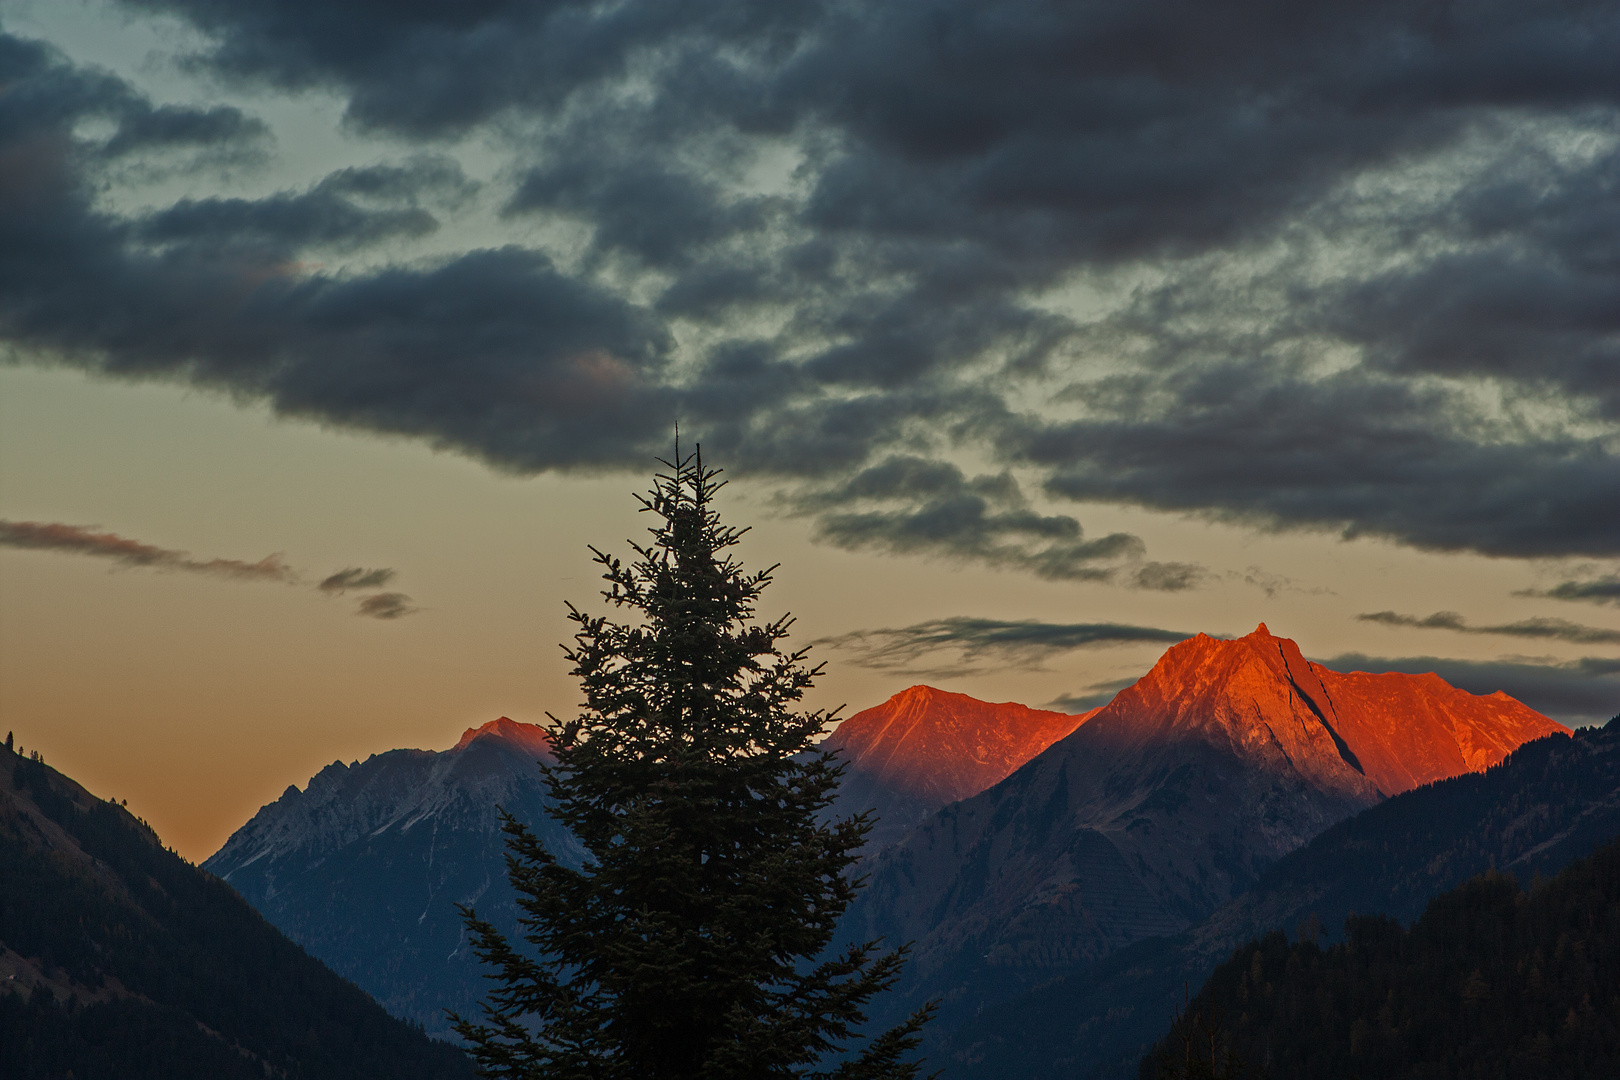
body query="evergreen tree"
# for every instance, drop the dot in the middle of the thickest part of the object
(687, 944)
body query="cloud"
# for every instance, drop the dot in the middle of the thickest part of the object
(84, 540)
(388, 605)
(1095, 695)
(1272, 584)
(1604, 589)
(348, 209)
(1555, 629)
(356, 577)
(1347, 268)
(922, 648)
(911, 505)
(1584, 691)
(1170, 576)
(494, 352)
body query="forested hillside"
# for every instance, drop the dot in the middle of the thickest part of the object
(121, 961)
(1493, 981)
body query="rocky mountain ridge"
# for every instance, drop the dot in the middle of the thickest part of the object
(1165, 804)
(365, 866)
(926, 748)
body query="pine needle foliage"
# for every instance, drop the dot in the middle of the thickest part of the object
(687, 944)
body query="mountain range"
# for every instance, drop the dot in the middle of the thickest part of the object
(1165, 804)
(1551, 801)
(1015, 846)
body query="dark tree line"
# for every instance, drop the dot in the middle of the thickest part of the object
(1493, 982)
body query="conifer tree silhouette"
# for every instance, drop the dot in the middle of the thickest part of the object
(687, 946)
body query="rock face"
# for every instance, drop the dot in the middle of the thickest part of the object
(1165, 804)
(925, 748)
(365, 866)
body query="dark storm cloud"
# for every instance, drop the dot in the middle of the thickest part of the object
(1349, 453)
(1604, 589)
(1581, 691)
(348, 209)
(912, 505)
(85, 540)
(1534, 297)
(1302, 325)
(356, 577)
(1554, 629)
(494, 352)
(388, 605)
(315, 218)
(660, 216)
(168, 127)
(923, 647)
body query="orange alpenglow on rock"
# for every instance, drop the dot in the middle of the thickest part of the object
(1398, 731)
(1171, 800)
(530, 738)
(941, 747)
(925, 748)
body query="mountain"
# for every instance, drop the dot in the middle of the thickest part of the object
(1490, 981)
(121, 961)
(1550, 802)
(365, 866)
(1164, 805)
(925, 748)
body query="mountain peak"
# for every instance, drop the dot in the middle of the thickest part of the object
(939, 746)
(530, 738)
(1393, 730)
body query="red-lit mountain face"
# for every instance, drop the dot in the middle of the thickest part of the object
(925, 748)
(527, 738)
(1169, 801)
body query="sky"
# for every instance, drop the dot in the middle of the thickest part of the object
(1031, 337)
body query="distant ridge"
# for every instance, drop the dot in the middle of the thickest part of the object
(365, 866)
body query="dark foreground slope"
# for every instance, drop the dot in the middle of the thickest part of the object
(1491, 981)
(1550, 802)
(121, 961)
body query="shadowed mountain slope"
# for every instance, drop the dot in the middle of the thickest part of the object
(121, 961)
(1548, 803)
(1492, 980)
(1165, 804)
(366, 865)
(925, 748)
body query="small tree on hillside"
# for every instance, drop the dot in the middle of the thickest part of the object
(686, 946)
